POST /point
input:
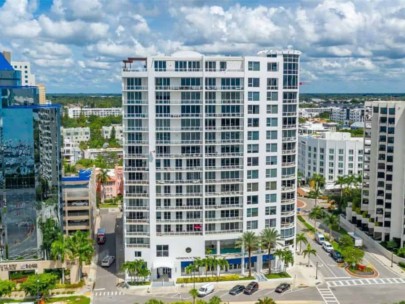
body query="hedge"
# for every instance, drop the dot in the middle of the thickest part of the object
(231, 277)
(308, 226)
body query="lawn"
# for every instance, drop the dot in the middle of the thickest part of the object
(66, 300)
(70, 300)
(280, 275)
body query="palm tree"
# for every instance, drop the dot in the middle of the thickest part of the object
(134, 268)
(318, 180)
(198, 262)
(190, 269)
(308, 252)
(315, 194)
(266, 300)
(280, 254)
(316, 214)
(301, 239)
(213, 265)
(215, 300)
(341, 181)
(102, 178)
(80, 246)
(288, 257)
(331, 221)
(194, 293)
(270, 239)
(222, 265)
(249, 241)
(59, 252)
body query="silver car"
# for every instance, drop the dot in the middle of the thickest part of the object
(107, 261)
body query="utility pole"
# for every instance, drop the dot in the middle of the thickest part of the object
(316, 271)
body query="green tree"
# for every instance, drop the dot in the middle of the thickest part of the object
(315, 194)
(346, 241)
(80, 247)
(266, 300)
(392, 245)
(308, 252)
(401, 252)
(353, 255)
(279, 253)
(331, 221)
(249, 241)
(215, 300)
(191, 269)
(288, 258)
(341, 182)
(154, 301)
(59, 252)
(6, 287)
(50, 231)
(316, 214)
(318, 180)
(193, 293)
(301, 239)
(102, 178)
(222, 264)
(136, 268)
(39, 284)
(270, 238)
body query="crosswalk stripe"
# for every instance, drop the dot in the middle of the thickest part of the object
(362, 282)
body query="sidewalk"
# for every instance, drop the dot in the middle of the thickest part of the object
(387, 263)
(303, 275)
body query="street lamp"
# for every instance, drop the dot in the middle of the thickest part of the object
(392, 257)
(316, 271)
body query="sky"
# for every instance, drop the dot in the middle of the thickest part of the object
(77, 46)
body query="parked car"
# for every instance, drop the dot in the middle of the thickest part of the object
(237, 290)
(205, 290)
(319, 238)
(251, 288)
(327, 246)
(107, 261)
(283, 287)
(337, 256)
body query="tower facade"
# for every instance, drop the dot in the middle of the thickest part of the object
(209, 153)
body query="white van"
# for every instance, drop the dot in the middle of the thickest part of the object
(319, 238)
(205, 290)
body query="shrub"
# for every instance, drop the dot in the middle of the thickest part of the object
(231, 277)
(401, 264)
(68, 285)
(308, 226)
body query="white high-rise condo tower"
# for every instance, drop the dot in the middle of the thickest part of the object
(382, 210)
(209, 153)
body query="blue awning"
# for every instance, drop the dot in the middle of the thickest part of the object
(185, 264)
(266, 257)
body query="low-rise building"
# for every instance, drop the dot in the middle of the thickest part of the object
(347, 116)
(76, 135)
(313, 112)
(330, 154)
(71, 152)
(114, 185)
(106, 132)
(79, 202)
(76, 112)
(310, 127)
(93, 153)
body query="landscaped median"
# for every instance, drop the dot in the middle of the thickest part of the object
(64, 300)
(222, 278)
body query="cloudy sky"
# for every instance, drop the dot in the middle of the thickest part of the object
(77, 45)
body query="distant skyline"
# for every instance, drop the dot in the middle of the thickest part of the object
(76, 46)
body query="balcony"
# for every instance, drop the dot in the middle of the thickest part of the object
(190, 220)
(182, 207)
(288, 164)
(165, 195)
(289, 139)
(221, 181)
(179, 233)
(292, 151)
(288, 201)
(135, 88)
(179, 88)
(219, 206)
(224, 231)
(224, 219)
(135, 115)
(289, 126)
(137, 220)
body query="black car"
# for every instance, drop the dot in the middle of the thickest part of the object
(236, 290)
(337, 256)
(282, 287)
(251, 288)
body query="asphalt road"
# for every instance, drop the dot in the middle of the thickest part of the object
(179, 294)
(106, 278)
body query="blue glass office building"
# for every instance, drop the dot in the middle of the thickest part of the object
(30, 165)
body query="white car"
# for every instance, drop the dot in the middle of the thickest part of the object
(327, 246)
(107, 261)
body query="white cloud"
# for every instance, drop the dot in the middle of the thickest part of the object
(341, 40)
